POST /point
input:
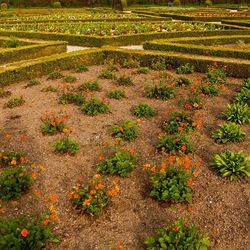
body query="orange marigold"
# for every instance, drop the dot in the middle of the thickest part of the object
(24, 232)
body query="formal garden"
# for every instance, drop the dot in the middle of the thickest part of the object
(124, 125)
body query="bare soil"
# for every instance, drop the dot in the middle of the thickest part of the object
(219, 206)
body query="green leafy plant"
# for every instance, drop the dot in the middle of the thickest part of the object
(66, 146)
(116, 94)
(107, 74)
(94, 107)
(56, 5)
(14, 181)
(183, 81)
(216, 76)
(49, 89)
(31, 83)
(185, 69)
(55, 75)
(11, 158)
(174, 144)
(171, 184)
(231, 165)
(71, 98)
(178, 236)
(127, 130)
(124, 81)
(246, 83)
(53, 123)
(24, 233)
(228, 132)
(92, 196)
(159, 64)
(130, 64)
(90, 86)
(159, 91)
(144, 110)
(209, 89)
(81, 67)
(193, 102)
(12, 43)
(70, 79)
(15, 102)
(120, 163)
(238, 113)
(142, 70)
(243, 97)
(4, 93)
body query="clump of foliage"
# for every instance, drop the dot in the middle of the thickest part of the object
(13, 182)
(243, 97)
(229, 132)
(127, 130)
(185, 69)
(183, 81)
(130, 64)
(55, 75)
(209, 89)
(71, 98)
(11, 158)
(70, 79)
(159, 91)
(121, 163)
(238, 113)
(174, 144)
(159, 64)
(94, 107)
(15, 102)
(12, 43)
(107, 74)
(56, 5)
(116, 94)
(231, 165)
(124, 81)
(178, 236)
(216, 76)
(144, 110)
(246, 83)
(81, 67)
(23, 233)
(90, 86)
(193, 102)
(49, 89)
(93, 195)
(31, 83)
(142, 70)
(4, 93)
(66, 146)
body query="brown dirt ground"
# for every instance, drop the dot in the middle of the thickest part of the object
(219, 206)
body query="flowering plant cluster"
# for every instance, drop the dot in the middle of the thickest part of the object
(11, 158)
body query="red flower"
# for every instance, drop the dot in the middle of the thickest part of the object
(190, 183)
(24, 232)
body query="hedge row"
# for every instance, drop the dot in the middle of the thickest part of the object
(37, 67)
(199, 49)
(244, 23)
(3, 40)
(31, 51)
(123, 40)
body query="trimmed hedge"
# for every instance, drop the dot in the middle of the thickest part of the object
(164, 45)
(9, 55)
(123, 40)
(244, 23)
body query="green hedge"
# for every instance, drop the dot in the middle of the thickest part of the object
(123, 40)
(198, 49)
(9, 55)
(244, 23)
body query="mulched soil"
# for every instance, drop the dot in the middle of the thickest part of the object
(219, 206)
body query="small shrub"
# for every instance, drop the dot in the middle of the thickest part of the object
(130, 64)
(53, 124)
(15, 102)
(229, 132)
(231, 165)
(185, 69)
(177, 3)
(170, 184)
(55, 75)
(70, 79)
(106, 74)
(111, 65)
(183, 81)
(178, 235)
(90, 86)
(66, 146)
(4, 6)
(216, 76)
(4, 93)
(159, 91)
(56, 5)
(174, 144)
(11, 158)
(12, 43)
(243, 97)
(127, 130)
(121, 163)
(193, 103)
(124, 81)
(246, 83)
(144, 110)
(180, 122)
(142, 70)
(238, 113)
(92, 196)
(23, 233)
(32, 83)
(49, 89)
(95, 107)
(71, 98)
(13, 182)
(81, 67)
(209, 89)
(116, 94)
(159, 64)
(208, 3)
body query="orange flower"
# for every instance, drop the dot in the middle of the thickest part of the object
(180, 129)
(195, 174)
(24, 232)
(131, 151)
(113, 191)
(86, 202)
(92, 192)
(21, 174)
(198, 164)
(162, 171)
(119, 246)
(163, 165)
(187, 165)
(53, 124)
(183, 148)
(153, 169)
(171, 158)
(2, 210)
(190, 209)
(68, 196)
(176, 229)
(13, 162)
(190, 183)
(76, 196)
(100, 158)
(46, 221)
(34, 175)
(53, 198)
(99, 186)
(121, 129)
(196, 105)
(146, 166)
(53, 216)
